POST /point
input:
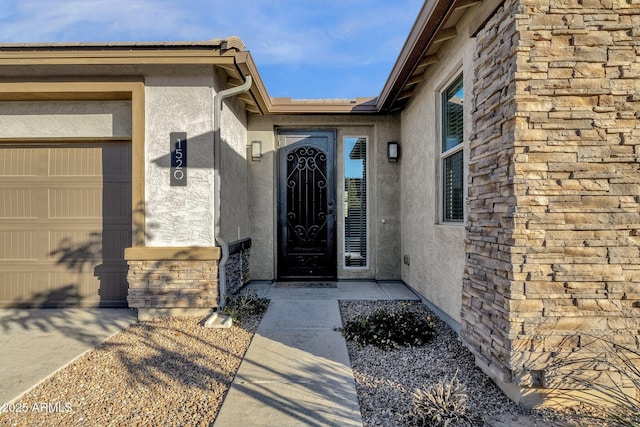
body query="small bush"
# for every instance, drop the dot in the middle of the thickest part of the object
(240, 305)
(389, 330)
(443, 404)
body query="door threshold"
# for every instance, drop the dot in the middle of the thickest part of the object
(315, 284)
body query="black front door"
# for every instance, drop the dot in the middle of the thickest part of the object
(306, 206)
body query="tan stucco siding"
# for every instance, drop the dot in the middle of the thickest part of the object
(384, 239)
(262, 191)
(435, 250)
(386, 217)
(234, 208)
(65, 119)
(181, 101)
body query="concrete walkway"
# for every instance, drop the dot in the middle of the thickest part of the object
(35, 343)
(296, 371)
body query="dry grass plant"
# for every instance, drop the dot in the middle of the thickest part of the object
(443, 404)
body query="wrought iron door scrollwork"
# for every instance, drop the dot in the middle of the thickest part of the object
(307, 198)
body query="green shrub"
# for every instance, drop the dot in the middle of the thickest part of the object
(245, 303)
(390, 330)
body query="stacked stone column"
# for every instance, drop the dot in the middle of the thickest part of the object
(553, 265)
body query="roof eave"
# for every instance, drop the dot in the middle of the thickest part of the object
(425, 46)
(323, 106)
(200, 52)
(424, 29)
(268, 105)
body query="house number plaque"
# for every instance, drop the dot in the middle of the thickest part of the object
(178, 148)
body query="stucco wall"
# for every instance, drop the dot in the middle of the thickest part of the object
(383, 203)
(436, 250)
(261, 201)
(179, 101)
(234, 212)
(59, 119)
(386, 217)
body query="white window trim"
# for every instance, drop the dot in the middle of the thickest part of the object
(367, 212)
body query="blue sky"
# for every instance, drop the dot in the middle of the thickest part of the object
(303, 48)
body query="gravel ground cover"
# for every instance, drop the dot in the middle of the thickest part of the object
(169, 372)
(174, 372)
(386, 379)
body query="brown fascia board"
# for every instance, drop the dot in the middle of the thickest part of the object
(202, 52)
(323, 106)
(228, 51)
(430, 18)
(246, 66)
(213, 43)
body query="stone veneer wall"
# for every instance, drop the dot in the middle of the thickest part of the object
(172, 278)
(169, 284)
(488, 281)
(237, 267)
(554, 225)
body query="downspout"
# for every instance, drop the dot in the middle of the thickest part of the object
(217, 163)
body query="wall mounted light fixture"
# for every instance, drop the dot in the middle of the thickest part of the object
(393, 152)
(256, 151)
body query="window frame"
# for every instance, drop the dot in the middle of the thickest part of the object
(444, 155)
(367, 193)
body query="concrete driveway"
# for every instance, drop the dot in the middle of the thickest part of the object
(35, 343)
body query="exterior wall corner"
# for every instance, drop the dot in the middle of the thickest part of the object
(552, 235)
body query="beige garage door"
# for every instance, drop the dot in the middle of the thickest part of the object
(65, 219)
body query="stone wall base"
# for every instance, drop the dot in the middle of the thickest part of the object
(540, 397)
(172, 281)
(146, 314)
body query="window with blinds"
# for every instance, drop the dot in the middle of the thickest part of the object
(355, 202)
(452, 156)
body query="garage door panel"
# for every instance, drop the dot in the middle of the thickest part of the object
(74, 248)
(75, 203)
(19, 285)
(64, 226)
(112, 295)
(105, 161)
(114, 243)
(18, 203)
(67, 288)
(46, 286)
(114, 201)
(119, 166)
(19, 162)
(85, 161)
(18, 245)
(88, 245)
(84, 288)
(117, 201)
